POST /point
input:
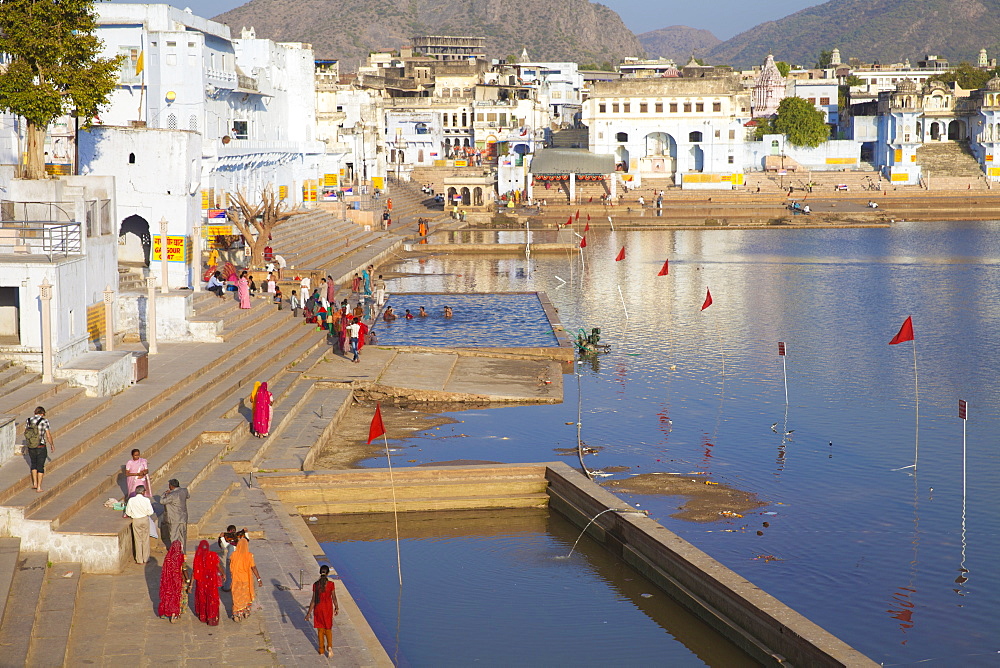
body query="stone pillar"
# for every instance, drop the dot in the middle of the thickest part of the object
(572, 188)
(531, 188)
(196, 258)
(164, 277)
(614, 187)
(109, 319)
(45, 293)
(151, 314)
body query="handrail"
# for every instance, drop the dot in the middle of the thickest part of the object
(49, 238)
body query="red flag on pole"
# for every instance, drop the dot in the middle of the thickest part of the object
(621, 255)
(708, 300)
(583, 242)
(905, 332)
(665, 269)
(569, 221)
(377, 428)
(578, 214)
(586, 228)
(588, 215)
(591, 200)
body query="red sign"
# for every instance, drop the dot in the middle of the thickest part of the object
(781, 348)
(962, 409)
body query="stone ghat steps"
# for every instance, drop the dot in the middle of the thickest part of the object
(88, 434)
(14, 376)
(171, 427)
(23, 602)
(318, 239)
(194, 456)
(949, 159)
(22, 402)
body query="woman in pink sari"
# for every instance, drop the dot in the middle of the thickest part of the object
(262, 412)
(243, 290)
(137, 473)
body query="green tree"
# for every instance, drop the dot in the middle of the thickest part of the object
(53, 68)
(764, 126)
(802, 123)
(823, 60)
(967, 76)
(853, 80)
(783, 67)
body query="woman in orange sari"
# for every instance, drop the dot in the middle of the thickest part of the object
(244, 571)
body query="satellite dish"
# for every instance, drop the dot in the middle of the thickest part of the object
(226, 139)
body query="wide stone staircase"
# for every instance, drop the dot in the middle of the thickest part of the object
(574, 138)
(188, 417)
(950, 166)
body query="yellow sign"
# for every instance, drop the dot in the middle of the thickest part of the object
(461, 163)
(378, 182)
(177, 248)
(95, 321)
(841, 161)
(282, 192)
(899, 155)
(330, 180)
(309, 191)
(994, 171)
(206, 200)
(900, 176)
(210, 231)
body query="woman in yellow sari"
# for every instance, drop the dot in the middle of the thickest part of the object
(244, 571)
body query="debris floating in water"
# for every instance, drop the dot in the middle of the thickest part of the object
(646, 595)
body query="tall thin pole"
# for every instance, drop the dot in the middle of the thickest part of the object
(916, 392)
(963, 414)
(622, 296)
(395, 514)
(784, 368)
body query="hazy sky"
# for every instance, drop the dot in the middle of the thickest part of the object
(725, 18)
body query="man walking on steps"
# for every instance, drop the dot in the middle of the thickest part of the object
(353, 334)
(175, 501)
(38, 435)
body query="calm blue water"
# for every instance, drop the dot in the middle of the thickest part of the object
(869, 553)
(478, 321)
(496, 589)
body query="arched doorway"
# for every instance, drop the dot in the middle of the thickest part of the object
(661, 154)
(621, 157)
(466, 198)
(477, 197)
(138, 226)
(697, 158)
(956, 130)
(451, 197)
(935, 131)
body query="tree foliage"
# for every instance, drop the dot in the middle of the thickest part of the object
(801, 123)
(53, 68)
(764, 126)
(255, 220)
(783, 67)
(823, 59)
(968, 76)
(853, 80)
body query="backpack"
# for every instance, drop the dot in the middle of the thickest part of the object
(32, 434)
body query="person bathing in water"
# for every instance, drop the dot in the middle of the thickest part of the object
(388, 316)
(408, 316)
(423, 312)
(447, 312)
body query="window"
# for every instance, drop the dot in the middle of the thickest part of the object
(643, 108)
(687, 107)
(127, 74)
(699, 107)
(732, 134)
(812, 100)
(193, 123)
(614, 107)
(626, 107)
(673, 107)
(600, 135)
(131, 158)
(621, 136)
(171, 43)
(717, 134)
(731, 160)
(716, 106)
(491, 116)
(824, 101)
(241, 129)
(694, 137)
(503, 119)
(445, 124)
(659, 107)
(602, 108)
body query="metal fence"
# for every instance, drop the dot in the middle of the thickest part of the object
(44, 229)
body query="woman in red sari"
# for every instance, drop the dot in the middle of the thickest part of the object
(323, 607)
(262, 412)
(172, 580)
(208, 577)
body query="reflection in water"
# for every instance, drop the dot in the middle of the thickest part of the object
(903, 596)
(834, 297)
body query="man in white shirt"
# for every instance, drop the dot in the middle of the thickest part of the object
(304, 288)
(140, 509)
(281, 264)
(353, 334)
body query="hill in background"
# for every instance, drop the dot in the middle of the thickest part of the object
(678, 43)
(552, 30)
(886, 31)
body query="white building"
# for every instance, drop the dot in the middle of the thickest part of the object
(240, 100)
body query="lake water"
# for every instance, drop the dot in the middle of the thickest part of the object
(878, 557)
(495, 588)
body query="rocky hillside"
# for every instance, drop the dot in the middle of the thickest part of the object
(678, 42)
(884, 30)
(555, 30)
